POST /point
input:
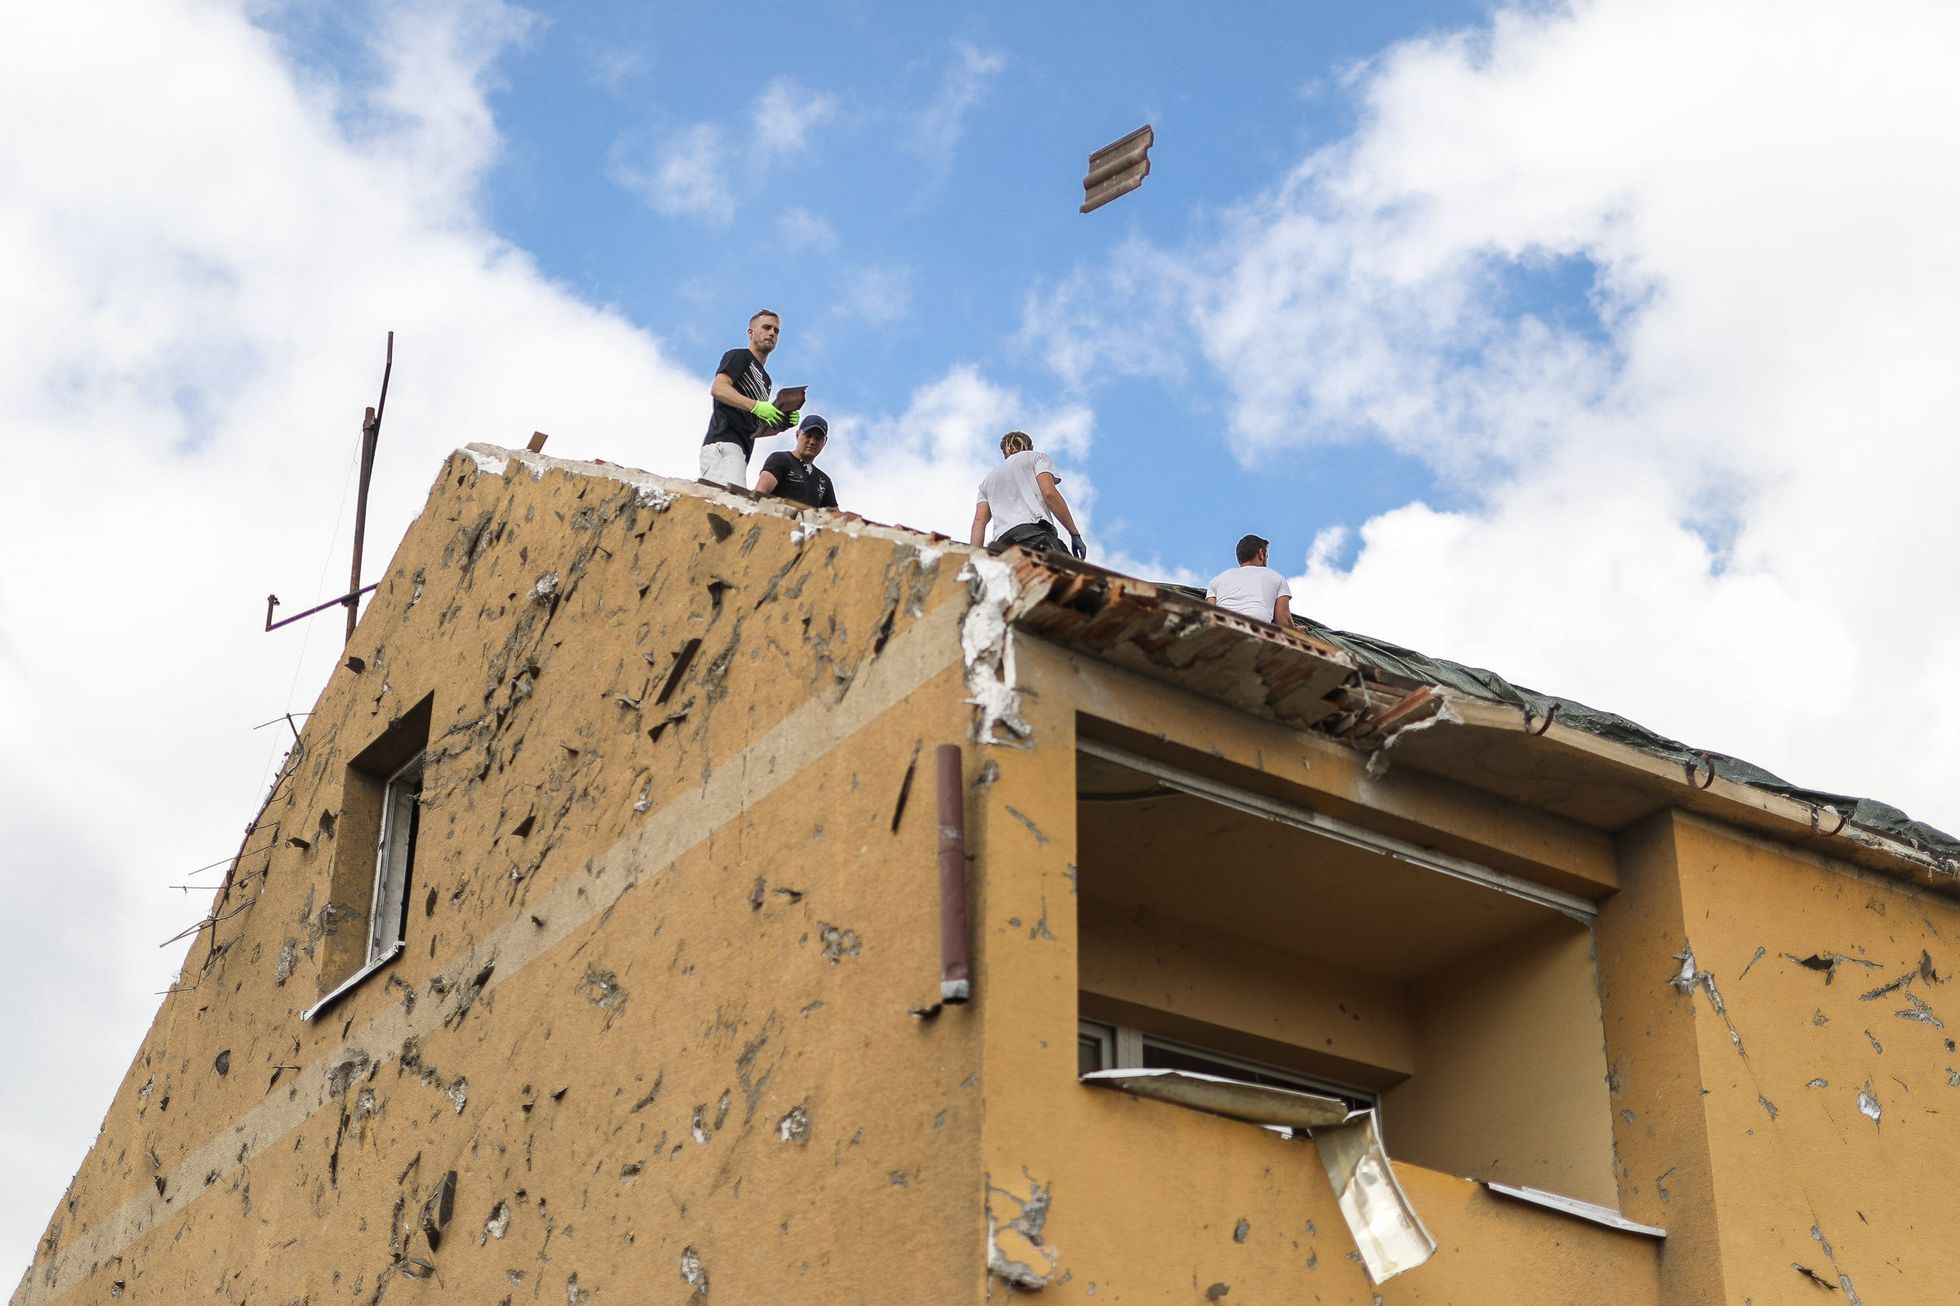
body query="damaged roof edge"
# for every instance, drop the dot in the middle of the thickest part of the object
(1781, 810)
(1393, 691)
(1394, 663)
(661, 491)
(1365, 690)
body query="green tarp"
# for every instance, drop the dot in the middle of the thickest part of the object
(1390, 660)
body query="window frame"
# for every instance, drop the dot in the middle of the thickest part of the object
(394, 871)
(1126, 1046)
(394, 858)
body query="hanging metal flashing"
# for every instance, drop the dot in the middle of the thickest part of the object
(1258, 1104)
(1592, 1211)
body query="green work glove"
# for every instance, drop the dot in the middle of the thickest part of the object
(768, 412)
(794, 417)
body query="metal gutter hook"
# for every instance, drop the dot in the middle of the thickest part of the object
(1696, 762)
(1816, 814)
(1551, 714)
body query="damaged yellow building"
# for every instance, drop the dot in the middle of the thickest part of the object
(602, 940)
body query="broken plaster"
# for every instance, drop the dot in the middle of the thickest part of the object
(1868, 1106)
(987, 645)
(1691, 977)
(1445, 714)
(486, 458)
(1015, 1250)
(695, 1273)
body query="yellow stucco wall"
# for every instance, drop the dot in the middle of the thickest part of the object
(1740, 1124)
(665, 1008)
(662, 1029)
(1148, 1202)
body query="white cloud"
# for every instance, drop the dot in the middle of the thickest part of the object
(1720, 509)
(785, 114)
(877, 294)
(687, 171)
(201, 256)
(921, 467)
(963, 83)
(614, 66)
(684, 174)
(1118, 319)
(798, 228)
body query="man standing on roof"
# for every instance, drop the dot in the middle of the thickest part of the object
(1253, 589)
(742, 409)
(1022, 497)
(793, 474)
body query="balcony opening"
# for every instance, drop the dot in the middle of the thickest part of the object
(1230, 929)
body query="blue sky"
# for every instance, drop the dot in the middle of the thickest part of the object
(932, 196)
(1608, 344)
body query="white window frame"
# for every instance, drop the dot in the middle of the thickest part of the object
(394, 862)
(394, 859)
(1125, 1045)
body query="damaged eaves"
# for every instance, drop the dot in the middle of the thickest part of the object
(1157, 631)
(1458, 722)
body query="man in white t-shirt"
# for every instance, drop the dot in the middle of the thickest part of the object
(1253, 589)
(1023, 499)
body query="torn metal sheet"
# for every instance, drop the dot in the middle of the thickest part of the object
(1386, 1229)
(1258, 1104)
(1605, 1215)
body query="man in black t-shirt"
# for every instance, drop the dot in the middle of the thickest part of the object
(742, 409)
(793, 474)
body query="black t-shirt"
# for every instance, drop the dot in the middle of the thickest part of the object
(798, 480)
(728, 425)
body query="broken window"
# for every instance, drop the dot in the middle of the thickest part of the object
(363, 925)
(1235, 930)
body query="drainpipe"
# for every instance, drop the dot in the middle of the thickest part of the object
(954, 979)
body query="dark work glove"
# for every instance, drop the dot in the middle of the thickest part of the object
(1076, 545)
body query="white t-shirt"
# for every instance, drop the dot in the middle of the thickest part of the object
(1249, 591)
(1011, 493)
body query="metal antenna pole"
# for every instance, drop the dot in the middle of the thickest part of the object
(370, 436)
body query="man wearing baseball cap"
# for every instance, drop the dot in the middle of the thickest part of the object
(1252, 589)
(793, 474)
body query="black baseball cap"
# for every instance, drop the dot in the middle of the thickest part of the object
(814, 423)
(1249, 547)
